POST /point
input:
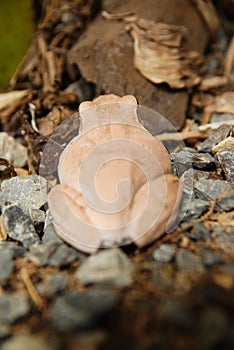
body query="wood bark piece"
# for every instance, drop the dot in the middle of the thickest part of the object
(105, 56)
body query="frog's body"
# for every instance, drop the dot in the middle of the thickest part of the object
(116, 182)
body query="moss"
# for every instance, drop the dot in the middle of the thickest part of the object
(16, 28)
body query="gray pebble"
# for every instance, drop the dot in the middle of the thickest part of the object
(160, 278)
(228, 269)
(17, 249)
(186, 160)
(50, 234)
(210, 258)
(177, 313)
(200, 232)
(49, 230)
(53, 253)
(53, 284)
(82, 89)
(196, 208)
(64, 256)
(188, 261)
(164, 253)
(12, 150)
(18, 225)
(226, 160)
(37, 216)
(13, 306)
(217, 117)
(26, 342)
(213, 189)
(213, 326)
(81, 309)
(110, 266)
(219, 135)
(28, 192)
(6, 264)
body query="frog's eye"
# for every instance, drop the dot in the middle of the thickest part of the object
(116, 186)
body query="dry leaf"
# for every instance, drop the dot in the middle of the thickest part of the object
(160, 54)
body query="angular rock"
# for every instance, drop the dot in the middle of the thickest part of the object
(210, 258)
(219, 190)
(18, 225)
(111, 267)
(188, 261)
(164, 253)
(184, 160)
(228, 269)
(12, 150)
(81, 309)
(17, 249)
(213, 325)
(225, 145)
(28, 192)
(219, 135)
(200, 232)
(6, 264)
(26, 341)
(56, 254)
(177, 313)
(196, 208)
(226, 160)
(49, 230)
(64, 256)
(53, 284)
(217, 117)
(50, 234)
(37, 216)
(13, 306)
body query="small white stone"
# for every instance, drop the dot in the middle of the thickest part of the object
(12, 150)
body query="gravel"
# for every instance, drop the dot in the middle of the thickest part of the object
(18, 225)
(110, 266)
(219, 190)
(74, 310)
(13, 306)
(28, 192)
(185, 160)
(188, 261)
(12, 150)
(219, 135)
(54, 284)
(55, 254)
(226, 160)
(6, 264)
(164, 253)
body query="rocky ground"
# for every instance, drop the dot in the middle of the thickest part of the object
(176, 293)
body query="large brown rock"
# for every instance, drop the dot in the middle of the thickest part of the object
(105, 56)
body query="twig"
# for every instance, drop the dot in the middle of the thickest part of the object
(36, 298)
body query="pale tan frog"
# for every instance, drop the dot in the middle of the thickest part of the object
(116, 182)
